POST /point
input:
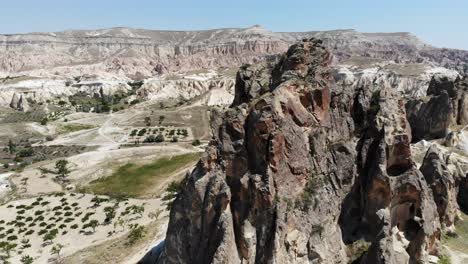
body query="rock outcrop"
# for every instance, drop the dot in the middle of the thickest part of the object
(301, 170)
(19, 102)
(444, 179)
(446, 105)
(218, 90)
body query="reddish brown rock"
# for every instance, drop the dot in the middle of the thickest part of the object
(288, 179)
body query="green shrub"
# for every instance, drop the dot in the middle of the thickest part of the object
(44, 121)
(12, 238)
(137, 232)
(444, 260)
(25, 153)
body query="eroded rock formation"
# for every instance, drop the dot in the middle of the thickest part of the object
(301, 170)
(444, 179)
(139, 52)
(446, 105)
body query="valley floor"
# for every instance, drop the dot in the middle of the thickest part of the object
(116, 183)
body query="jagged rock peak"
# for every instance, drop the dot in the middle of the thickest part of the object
(307, 61)
(300, 170)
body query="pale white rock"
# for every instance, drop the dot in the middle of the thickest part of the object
(408, 79)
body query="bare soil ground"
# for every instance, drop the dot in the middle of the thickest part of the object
(96, 146)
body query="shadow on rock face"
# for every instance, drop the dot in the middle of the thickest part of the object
(153, 254)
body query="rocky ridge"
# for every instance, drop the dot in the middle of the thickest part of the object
(139, 52)
(305, 170)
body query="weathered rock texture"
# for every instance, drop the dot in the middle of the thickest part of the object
(446, 105)
(139, 52)
(219, 91)
(301, 170)
(444, 179)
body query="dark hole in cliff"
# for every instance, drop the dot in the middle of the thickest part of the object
(343, 149)
(412, 229)
(397, 169)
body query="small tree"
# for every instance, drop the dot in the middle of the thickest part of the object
(62, 169)
(154, 215)
(196, 142)
(161, 119)
(56, 249)
(174, 139)
(11, 147)
(137, 232)
(110, 214)
(138, 209)
(93, 224)
(120, 222)
(7, 248)
(51, 235)
(148, 121)
(159, 138)
(26, 259)
(44, 121)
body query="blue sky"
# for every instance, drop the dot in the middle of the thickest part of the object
(441, 23)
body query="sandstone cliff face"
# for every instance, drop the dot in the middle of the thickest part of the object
(218, 90)
(131, 52)
(446, 105)
(301, 170)
(444, 179)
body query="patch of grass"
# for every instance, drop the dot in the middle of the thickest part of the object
(357, 249)
(133, 180)
(444, 260)
(69, 128)
(112, 251)
(460, 241)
